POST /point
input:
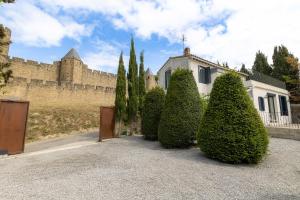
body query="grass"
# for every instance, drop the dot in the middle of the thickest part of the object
(50, 121)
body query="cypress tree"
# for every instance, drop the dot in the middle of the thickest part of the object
(132, 86)
(142, 89)
(261, 64)
(244, 69)
(120, 101)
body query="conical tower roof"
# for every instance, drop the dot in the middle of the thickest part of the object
(72, 54)
(149, 72)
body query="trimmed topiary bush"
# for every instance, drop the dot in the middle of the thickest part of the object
(231, 129)
(153, 106)
(203, 105)
(181, 114)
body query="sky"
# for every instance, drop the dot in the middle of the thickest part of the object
(229, 31)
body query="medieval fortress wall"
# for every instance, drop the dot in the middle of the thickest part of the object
(65, 82)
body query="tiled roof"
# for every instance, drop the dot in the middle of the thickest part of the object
(149, 72)
(72, 54)
(257, 76)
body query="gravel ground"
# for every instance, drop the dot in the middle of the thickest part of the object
(131, 168)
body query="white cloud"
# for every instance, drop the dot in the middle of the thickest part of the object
(34, 27)
(251, 25)
(105, 57)
(229, 31)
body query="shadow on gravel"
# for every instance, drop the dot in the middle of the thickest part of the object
(190, 154)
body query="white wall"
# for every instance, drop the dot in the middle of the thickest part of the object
(204, 89)
(259, 89)
(255, 89)
(172, 64)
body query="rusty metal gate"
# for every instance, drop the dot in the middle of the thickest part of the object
(107, 122)
(13, 119)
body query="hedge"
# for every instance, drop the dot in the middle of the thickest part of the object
(181, 114)
(153, 105)
(231, 129)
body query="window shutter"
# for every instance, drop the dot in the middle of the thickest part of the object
(167, 78)
(207, 75)
(261, 103)
(283, 106)
(204, 74)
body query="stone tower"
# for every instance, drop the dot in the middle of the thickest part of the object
(150, 80)
(4, 48)
(71, 67)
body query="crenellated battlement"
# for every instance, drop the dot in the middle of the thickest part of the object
(67, 81)
(28, 63)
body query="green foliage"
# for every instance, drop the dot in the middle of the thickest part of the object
(120, 100)
(153, 106)
(285, 66)
(7, 1)
(181, 114)
(261, 64)
(132, 85)
(231, 130)
(244, 69)
(142, 89)
(203, 105)
(5, 74)
(225, 65)
(2, 35)
(2, 31)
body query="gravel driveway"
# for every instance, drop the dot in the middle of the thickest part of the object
(131, 168)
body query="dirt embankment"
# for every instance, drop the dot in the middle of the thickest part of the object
(52, 121)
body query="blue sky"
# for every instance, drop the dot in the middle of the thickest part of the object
(225, 31)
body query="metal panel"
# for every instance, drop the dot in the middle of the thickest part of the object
(13, 119)
(107, 123)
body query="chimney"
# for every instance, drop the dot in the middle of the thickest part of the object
(187, 51)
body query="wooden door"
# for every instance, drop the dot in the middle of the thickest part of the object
(13, 119)
(107, 123)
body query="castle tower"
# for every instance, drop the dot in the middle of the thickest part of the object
(5, 41)
(71, 67)
(150, 80)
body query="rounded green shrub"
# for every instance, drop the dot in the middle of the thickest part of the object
(203, 105)
(153, 106)
(231, 129)
(181, 114)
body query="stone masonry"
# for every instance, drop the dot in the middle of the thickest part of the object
(65, 82)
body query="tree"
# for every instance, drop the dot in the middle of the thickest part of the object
(244, 69)
(132, 88)
(232, 130)
(261, 64)
(5, 74)
(203, 105)
(7, 1)
(153, 106)
(181, 114)
(142, 89)
(120, 100)
(225, 65)
(285, 66)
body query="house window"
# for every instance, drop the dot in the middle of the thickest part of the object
(204, 75)
(261, 104)
(167, 78)
(283, 106)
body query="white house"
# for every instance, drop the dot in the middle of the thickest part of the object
(269, 95)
